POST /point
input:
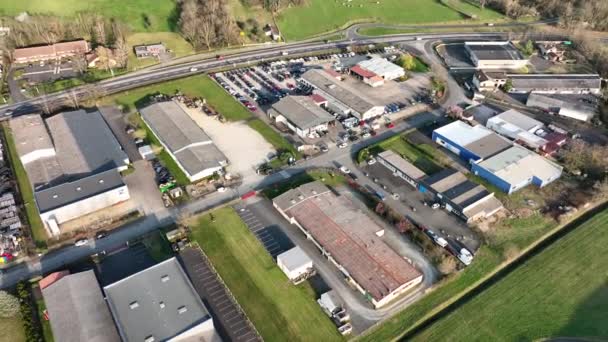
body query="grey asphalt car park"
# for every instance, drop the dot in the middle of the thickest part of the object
(48, 72)
(441, 222)
(231, 321)
(267, 232)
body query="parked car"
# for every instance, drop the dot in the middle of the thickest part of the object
(395, 196)
(345, 329)
(81, 242)
(344, 169)
(342, 145)
(221, 189)
(465, 256)
(101, 235)
(342, 316)
(371, 161)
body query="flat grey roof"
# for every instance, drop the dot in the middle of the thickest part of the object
(294, 258)
(520, 120)
(339, 90)
(457, 187)
(490, 51)
(302, 111)
(31, 136)
(183, 137)
(78, 311)
(74, 191)
(488, 145)
(563, 101)
(84, 143)
(135, 303)
(349, 235)
(401, 164)
(555, 81)
(303, 192)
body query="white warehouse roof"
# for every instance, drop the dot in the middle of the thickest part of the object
(517, 126)
(517, 164)
(294, 259)
(382, 67)
(463, 134)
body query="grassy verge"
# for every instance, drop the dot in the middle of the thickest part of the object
(279, 310)
(196, 86)
(12, 329)
(328, 178)
(273, 137)
(47, 332)
(423, 156)
(25, 189)
(556, 293)
(158, 246)
(383, 31)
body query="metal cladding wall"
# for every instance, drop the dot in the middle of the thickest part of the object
(492, 178)
(465, 154)
(86, 206)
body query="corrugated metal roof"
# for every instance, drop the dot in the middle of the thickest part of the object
(461, 133)
(302, 111)
(294, 258)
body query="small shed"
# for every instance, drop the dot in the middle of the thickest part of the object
(146, 152)
(296, 265)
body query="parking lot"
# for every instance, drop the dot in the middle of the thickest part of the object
(231, 323)
(43, 72)
(268, 233)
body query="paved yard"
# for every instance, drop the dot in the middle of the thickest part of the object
(116, 121)
(143, 189)
(244, 147)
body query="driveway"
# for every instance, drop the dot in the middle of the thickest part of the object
(116, 120)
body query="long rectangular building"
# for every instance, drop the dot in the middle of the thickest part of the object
(555, 83)
(495, 55)
(360, 105)
(187, 143)
(350, 239)
(301, 114)
(48, 52)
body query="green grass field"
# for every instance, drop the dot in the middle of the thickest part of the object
(320, 16)
(11, 330)
(27, 194)
(160, 13)
(173, 41)
(195, 86)
(279, 310)
(561, 292)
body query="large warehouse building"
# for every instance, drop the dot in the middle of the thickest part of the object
(350, 240)
(471, 143)
(169, 309)
(187, 143)
(556, 83)
(335, 91)
(73, 162)
(570, 108)
(516, 168)
(495, 55)
(383, 68)
(301, 114)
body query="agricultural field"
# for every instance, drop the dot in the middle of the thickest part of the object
(279, 310)
(320, 16)
(139, 15)
(560, 292)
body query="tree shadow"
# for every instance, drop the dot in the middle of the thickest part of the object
(589, 320)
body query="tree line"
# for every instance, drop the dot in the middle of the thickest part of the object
(207, 23)
(591, 14)
(273, 5)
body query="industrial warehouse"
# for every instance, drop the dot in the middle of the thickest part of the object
(184, 140)
(495, 55)
(72, 161)
(450, 188)
(350, 239)
(508, 166)
(301, 114)
(341, 94)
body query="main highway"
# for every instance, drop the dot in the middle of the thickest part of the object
(263, 53)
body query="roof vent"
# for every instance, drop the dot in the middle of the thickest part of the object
(162, 305)
(101, 181)
(78, 188)
(134, 305)
(301, 197)
(164, 278)
(182, 309)
(314, 192)
(149, 339)
(55, 196)
(293, 201)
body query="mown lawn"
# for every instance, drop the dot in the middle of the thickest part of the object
(320, 16)
(139, 15)
(27, 194)
(11, 330)
(279, 310)
(561, 292)
(173, 41)
(196, 86)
